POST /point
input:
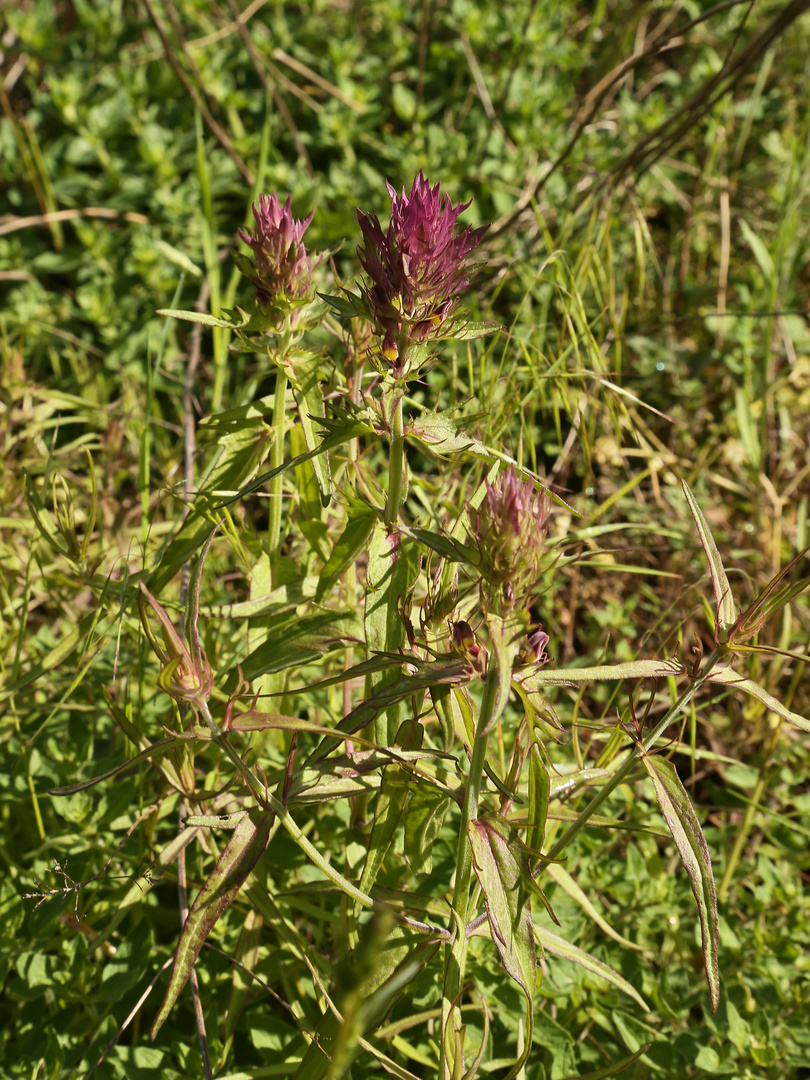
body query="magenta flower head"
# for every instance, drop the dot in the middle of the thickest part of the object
(279, 269)
(510, 532)
(416, 269)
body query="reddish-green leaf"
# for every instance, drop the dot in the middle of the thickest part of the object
(497, 862)
(726, 610)
(684, 826)
(243, 851)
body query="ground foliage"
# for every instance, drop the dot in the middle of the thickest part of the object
(646, 171)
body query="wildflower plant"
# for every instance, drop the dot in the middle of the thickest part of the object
(434, 621)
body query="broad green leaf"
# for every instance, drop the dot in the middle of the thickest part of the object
(726, 610)
(243, 851)
(345, 307)
(393, 564)
(347, 547)
(558, 946)
(684, 826)
(496, 859)
(469, 331)
(728, 677)
(426, 810)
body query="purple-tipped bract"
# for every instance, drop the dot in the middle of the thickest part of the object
(418, 267)
(280, 269)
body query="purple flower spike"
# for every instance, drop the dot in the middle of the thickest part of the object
(510, 533)
(280, 269)
(418, 267)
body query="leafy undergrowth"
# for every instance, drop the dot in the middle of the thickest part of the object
(646, 175)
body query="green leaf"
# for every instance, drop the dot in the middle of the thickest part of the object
(303, 371)
(247, 955)
(539, 788)
(390, 804)
(566, 881)
(632, 669)
(726, 610)
(312, 636)
(201, 317)
(728, 677)
(558, 946)
(496, 859)
(426, 811)
(393, 564)
(243, 851)
(347, 547)
(82, 785)
(468, 331)
(684, 826)
(345, 307)
(450, 549)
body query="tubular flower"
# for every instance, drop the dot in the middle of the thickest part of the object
(418, 267)
(510, 531)
(280, 269)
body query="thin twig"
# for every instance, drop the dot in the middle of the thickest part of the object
(135, 1010)
(280, 103)
(216, 129)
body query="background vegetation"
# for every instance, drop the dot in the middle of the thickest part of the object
(646, 168)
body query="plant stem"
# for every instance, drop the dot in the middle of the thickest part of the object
(277, 482)
(396, 459)
(638, 752)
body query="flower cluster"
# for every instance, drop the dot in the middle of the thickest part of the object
(510, 532)
(417, 268)
(280, 268)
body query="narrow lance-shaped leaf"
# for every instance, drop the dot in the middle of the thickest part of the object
(390, 803)
(393, 563)
(558, 946)
(241, 854)
(539, 789)
(632, 669)
(684, 826)
(303, 371)
(426, 811)
(726, 611)
(347, 547)
(496, 859)
(729, 677)
(770, 601)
